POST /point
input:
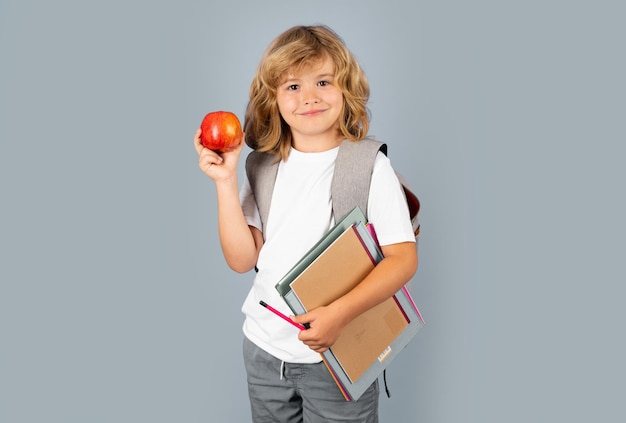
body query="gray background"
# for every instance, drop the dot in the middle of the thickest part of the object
(507, 118)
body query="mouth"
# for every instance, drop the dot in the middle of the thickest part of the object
(312, 113)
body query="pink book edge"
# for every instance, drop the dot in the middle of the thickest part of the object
(372, 231)
(408, 295)
(358, 235)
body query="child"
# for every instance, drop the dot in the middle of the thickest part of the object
(308, 95)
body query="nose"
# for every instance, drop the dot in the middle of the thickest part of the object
(310, 96)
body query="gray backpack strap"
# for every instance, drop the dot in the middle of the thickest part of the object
(353, 174)
(261, 169)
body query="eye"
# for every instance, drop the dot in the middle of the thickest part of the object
(323, 83)
(292, 87)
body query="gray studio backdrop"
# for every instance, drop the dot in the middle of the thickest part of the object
(507, 118)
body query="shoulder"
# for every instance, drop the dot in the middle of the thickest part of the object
(257, 159)
(383, 169)
(364, 146)
(258, 163)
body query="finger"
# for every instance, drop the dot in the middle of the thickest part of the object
(318, 348)
(242, 141)
(235, 152)
(210, 154)
(302, 318)
(196, 138)
(207, 161)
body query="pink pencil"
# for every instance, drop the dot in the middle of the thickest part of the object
(279, 314)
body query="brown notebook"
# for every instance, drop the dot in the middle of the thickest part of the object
(342, 266)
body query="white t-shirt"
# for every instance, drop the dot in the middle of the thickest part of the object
(300, 214)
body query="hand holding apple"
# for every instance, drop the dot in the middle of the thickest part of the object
(219, 166)
(221, 131)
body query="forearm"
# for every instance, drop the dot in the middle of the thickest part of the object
(237, 241)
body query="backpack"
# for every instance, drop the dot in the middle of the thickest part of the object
(350, 183)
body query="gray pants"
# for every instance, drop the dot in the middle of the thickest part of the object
(306, 393)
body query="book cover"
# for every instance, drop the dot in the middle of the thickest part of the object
(355, 217)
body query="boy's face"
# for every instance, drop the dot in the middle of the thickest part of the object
(311, 104)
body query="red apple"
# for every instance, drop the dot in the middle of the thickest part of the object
(221, 131)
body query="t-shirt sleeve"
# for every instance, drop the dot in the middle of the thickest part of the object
(387, 209)
(248, 205)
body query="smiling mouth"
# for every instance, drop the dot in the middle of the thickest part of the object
(312, 113)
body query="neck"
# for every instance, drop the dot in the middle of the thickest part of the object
(315, 145)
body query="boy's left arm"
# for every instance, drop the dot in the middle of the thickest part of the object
(395, 270)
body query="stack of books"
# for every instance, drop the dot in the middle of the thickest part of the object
(331, 268)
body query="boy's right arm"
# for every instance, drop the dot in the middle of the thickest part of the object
(240, 242)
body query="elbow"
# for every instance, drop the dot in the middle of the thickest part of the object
(239, 266)
(412, 265)
(243, 257)
(409, 264)
(241, 269)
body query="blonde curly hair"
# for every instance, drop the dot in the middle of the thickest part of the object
(293, 50)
